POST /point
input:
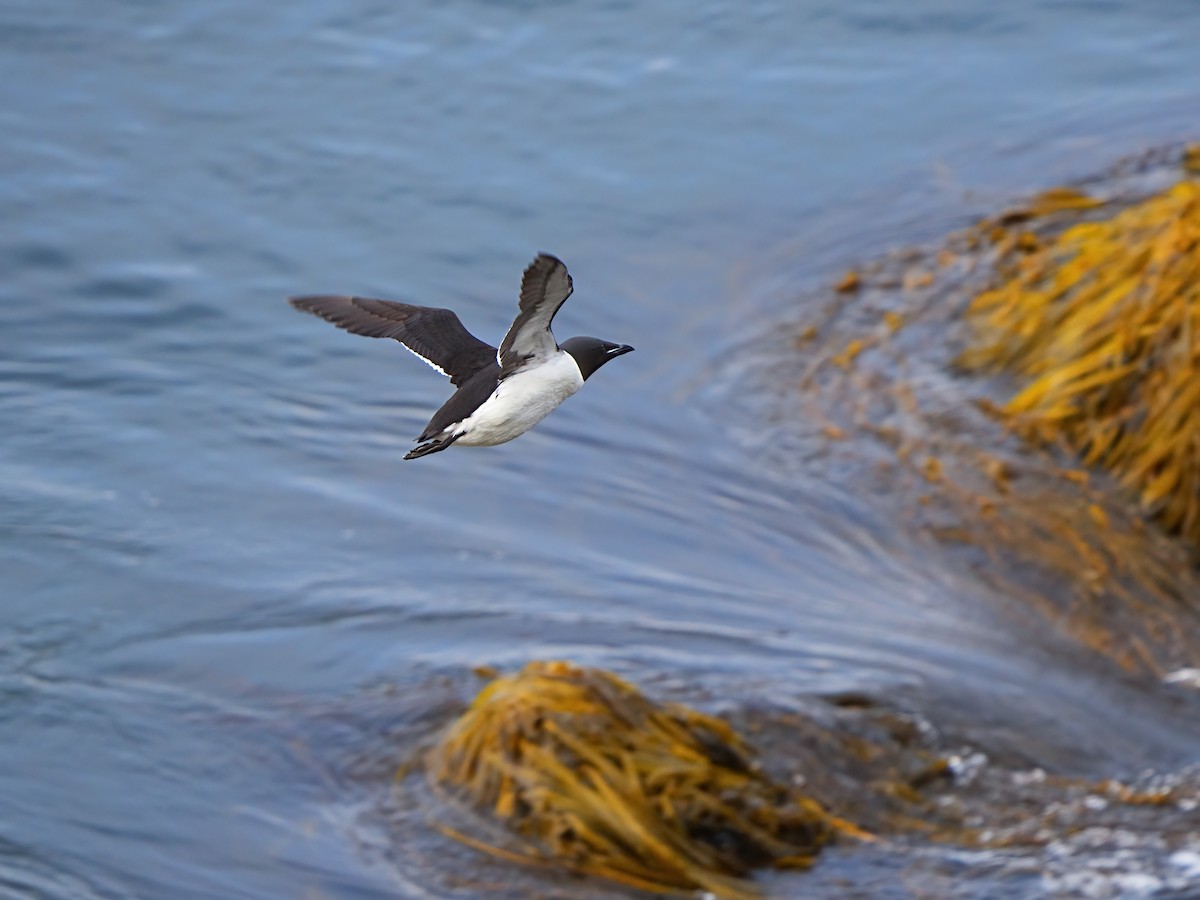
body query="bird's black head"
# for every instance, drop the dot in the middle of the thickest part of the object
(591, 353)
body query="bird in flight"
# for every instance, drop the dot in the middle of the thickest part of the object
(501, 393)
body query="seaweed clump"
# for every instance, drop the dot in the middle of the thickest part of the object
(1105, 321)
(589, 774)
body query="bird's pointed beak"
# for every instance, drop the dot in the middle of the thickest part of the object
(618, 350)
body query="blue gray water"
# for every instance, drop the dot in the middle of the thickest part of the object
(208, 531)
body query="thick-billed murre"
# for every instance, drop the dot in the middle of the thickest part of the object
(501, 393)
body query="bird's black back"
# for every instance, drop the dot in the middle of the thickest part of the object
(468, 398)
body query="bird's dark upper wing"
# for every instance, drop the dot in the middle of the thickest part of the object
(545, 287)
(435, 335)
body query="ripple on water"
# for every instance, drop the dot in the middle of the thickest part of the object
(36, 256)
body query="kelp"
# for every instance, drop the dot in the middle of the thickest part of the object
(588, 773)
(1104, 323)
(572, 768)
(885, 410)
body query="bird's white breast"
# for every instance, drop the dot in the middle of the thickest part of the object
(521, 401)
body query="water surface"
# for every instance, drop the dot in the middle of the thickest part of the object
(210, 542)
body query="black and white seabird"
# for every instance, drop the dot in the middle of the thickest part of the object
(501, 393)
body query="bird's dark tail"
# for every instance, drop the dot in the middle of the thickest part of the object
(431, 447)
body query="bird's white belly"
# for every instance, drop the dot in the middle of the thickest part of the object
(521, 401)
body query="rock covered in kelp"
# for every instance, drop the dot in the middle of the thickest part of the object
(1102, 322)
(589, 773)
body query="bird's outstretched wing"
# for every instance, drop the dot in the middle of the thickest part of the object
(435, 335)
(545, 287)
